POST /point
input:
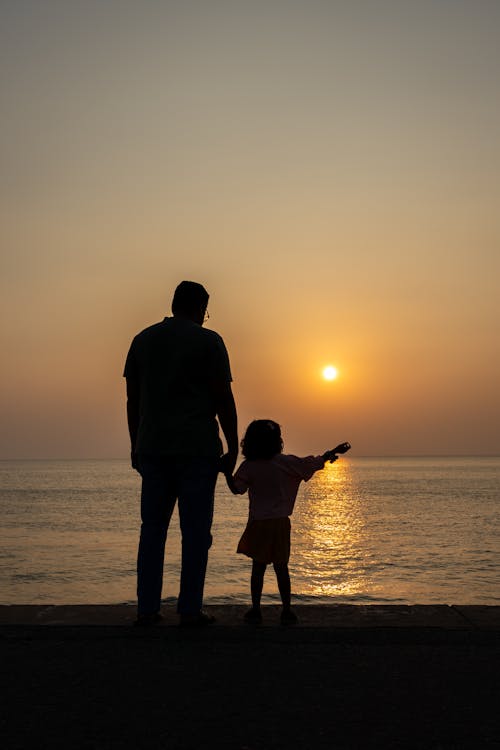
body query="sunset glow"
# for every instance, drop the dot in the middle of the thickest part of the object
(330, 372)
(329, 172)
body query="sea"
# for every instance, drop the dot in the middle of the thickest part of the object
(364, 531)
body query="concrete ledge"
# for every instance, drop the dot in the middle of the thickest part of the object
(317, 623)
(349, 677)
(450, 617)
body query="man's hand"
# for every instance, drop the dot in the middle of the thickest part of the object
(228, 462)
(231, 485)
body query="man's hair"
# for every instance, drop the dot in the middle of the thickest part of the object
(262, 440)
(189, 296)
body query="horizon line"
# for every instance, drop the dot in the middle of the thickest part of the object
(364, 455)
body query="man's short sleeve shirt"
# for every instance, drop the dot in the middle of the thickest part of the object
(172, 366)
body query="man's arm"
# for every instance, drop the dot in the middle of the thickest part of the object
(226, 413)
(133, 417)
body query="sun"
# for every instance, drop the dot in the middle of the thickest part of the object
(330, 373)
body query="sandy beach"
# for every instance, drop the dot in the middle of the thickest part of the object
(345, 677)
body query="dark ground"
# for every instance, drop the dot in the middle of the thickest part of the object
(362, 677)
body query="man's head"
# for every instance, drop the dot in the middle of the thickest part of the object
(190, 301)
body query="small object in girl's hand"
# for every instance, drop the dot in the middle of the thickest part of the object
(342, 448)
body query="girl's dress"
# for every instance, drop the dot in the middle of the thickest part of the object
(272, 486)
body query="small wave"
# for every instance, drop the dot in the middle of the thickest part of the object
(31, 577)
(348, 599)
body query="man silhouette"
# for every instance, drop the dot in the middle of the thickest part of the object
(178, 384)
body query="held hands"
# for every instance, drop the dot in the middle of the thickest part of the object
(227, 463)
(231, 485)
(227, 467)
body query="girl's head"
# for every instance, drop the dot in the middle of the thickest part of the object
(262, 439)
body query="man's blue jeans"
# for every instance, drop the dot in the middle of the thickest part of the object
(191, 482)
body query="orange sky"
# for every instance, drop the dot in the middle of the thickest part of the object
(328, 171)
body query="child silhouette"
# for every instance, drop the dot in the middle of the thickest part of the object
(272, 480)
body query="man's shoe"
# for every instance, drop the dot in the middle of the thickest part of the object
(200, 620)
(145, 621)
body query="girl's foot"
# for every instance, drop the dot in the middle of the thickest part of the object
(253, 616)
(288, 616)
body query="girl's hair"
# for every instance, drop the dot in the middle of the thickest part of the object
(262, 440)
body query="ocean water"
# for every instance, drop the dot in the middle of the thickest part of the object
(364, 530)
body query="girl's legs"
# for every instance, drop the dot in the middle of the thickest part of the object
(257, 583)
(253, 615)
(288, 617)
(283, 577)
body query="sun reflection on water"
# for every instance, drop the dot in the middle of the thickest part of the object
(328, 535)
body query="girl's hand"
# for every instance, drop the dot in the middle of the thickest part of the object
(330, 456)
